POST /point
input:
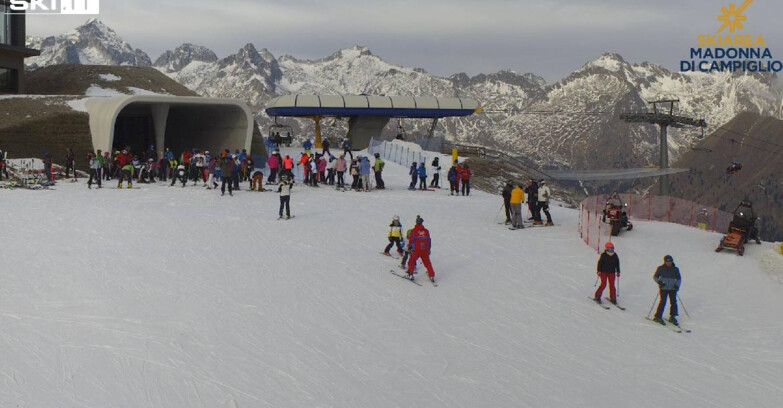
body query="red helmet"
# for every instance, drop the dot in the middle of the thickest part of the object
(609, 245)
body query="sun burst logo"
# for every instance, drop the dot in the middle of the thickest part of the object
(732, 17)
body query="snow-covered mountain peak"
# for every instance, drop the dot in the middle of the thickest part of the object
(93, 43)
(609, 61)
(606, 85)
(527, 80)
(352, 53)
(182, 56)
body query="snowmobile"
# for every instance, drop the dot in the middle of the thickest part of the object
(734, 168)
(615, 215)
(741, 229)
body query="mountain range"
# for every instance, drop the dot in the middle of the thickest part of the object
(572, 123)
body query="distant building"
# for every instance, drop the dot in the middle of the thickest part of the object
(13, 49)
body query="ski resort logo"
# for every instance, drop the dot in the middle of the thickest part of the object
(730, 50)
(68, 7)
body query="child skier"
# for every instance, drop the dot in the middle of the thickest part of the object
(284, 188)
(126, 173)
(179, 174)
(256, 181)
(395, 236)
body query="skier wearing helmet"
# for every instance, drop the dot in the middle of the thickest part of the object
(608, 266)
(395, 236)
(668, 278)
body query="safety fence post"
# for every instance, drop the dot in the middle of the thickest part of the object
(690, 220)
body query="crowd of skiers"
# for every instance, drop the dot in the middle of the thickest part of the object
(538, 194)
(191, 165)
(458, 175)
(325, 168)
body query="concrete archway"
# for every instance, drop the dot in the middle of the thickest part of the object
(169, 121)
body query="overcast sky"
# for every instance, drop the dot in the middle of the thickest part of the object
(547, 38)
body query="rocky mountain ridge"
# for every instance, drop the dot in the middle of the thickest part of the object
(569, 124)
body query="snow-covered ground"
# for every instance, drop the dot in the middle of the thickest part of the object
(170, 297)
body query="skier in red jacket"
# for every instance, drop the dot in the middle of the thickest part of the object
(419, 245)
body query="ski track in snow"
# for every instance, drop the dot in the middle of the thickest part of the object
(170, 297)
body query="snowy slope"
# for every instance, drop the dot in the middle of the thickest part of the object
(170, 297)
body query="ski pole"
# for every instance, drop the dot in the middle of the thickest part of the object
(653, 305)
(683, 306)
(596, 282)
(499, 210)
(618, 285)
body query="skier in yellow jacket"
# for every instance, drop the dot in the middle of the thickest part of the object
(517, 198)
(395, 236)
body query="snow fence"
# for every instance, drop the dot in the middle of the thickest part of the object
(595, 233)
(398, 151)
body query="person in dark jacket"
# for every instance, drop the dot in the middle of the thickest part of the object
(668, 278)
(47, 161)
(347, 149)
(608, 267)
(414, 173)
(453, 176)
(70, 163)
(3, 170)
(506, 193)
(532, 200)
(226, 167)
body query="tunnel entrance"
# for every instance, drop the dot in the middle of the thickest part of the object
(174, 122)
(134, 129)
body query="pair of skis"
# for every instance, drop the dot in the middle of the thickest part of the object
(674, 327)
(671, 326)
(605, 306)
(410, 280)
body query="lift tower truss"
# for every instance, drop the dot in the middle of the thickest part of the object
(663, 115)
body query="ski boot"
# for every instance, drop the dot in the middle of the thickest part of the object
(659, 321)
(130, 185)
(673, 320)
(387, 254)
(613, 301)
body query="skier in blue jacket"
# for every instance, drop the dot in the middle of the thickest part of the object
(668, 278)
(422, 176)
(364, 172)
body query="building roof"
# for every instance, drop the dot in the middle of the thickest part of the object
(371, 105)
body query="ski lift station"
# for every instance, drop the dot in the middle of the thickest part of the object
(368, 114)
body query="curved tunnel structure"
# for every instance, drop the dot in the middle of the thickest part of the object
(175, 122)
